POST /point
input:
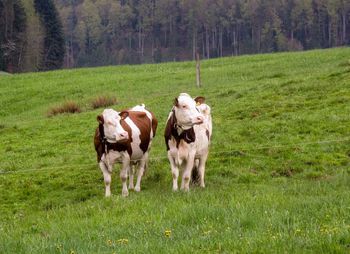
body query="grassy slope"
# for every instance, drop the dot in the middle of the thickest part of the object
(270, 188)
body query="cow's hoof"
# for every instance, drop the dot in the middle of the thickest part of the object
(175, 188)
(137, 189)
(125, 193)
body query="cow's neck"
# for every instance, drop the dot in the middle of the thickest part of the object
(180, 133)
(114, 145)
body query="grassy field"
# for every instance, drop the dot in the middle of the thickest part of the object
(278, 174)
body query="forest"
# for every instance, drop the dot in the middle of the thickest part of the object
(38, 35)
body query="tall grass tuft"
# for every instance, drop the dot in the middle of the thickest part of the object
(67, 107)
(103, 101)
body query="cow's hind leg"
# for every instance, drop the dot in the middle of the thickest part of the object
(124, 175)
(107, 178)
(142, 165)
(186, 177)
(195, 172)
(131, 177)
(201, 168)
(174, 171)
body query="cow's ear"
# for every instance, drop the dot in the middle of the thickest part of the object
(100, 119)
(124, 114)
(176, 102)
(199, 100)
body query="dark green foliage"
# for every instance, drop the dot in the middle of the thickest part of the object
(54, 38)
(122, 32)
(12, 28)
(110, 32)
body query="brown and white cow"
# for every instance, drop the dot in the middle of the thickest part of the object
(126, 138)
(187, 137)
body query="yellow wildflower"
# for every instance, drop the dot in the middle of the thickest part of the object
(167, 233)
(123, 241)
(207, 232)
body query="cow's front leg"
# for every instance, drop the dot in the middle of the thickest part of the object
(185, 185)
(107, 178)
(131, 177)
(142, 165)
(124, 175)
(174, 171)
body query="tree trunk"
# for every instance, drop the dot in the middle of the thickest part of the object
(330, 34)
(142, 44)
(344, 28)
(220, 42)
(139, 38)
(152, 49)
(203, 46)
(234, 42)
(207, 42)
(194, 45)
(165, 38)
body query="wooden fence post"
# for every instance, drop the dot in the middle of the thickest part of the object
(198, 70)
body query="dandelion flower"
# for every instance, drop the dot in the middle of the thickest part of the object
(123, 241)
(167, 233)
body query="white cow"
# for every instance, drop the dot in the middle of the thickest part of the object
(187, 137)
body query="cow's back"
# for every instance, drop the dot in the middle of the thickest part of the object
(142, 132)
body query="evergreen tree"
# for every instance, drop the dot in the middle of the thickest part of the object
(12, 28)
(54, 37)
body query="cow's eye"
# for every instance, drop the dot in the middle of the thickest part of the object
(184, 106)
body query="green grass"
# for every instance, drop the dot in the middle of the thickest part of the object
(278, 173)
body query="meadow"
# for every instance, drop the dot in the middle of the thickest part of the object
(277, 177)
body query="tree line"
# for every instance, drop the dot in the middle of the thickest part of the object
(31, 36)
(105, 32)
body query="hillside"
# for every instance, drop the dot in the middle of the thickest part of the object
(277, 174)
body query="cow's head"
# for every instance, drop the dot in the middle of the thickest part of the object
(113, 131)
(203, 108)
(186, 112)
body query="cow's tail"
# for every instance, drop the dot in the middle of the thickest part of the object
(195, 177)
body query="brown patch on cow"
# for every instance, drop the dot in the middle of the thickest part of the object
(98, 144)
(100, 119)
(126, 143)
(168, 129)
(188, 136)
(207, 133)
(199, 100)
(144, 124)
(124, 114)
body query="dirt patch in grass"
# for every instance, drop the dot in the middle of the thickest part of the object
(66, 107)
(286, 172)
(103, 101)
